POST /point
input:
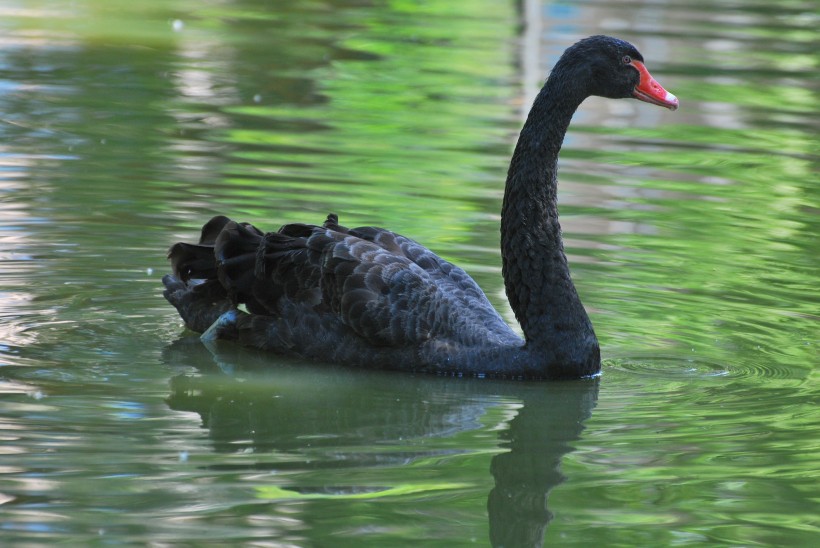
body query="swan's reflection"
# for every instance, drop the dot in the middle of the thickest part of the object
(542, 432)
(297, 406)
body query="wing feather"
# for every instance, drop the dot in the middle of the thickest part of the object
(384, 287)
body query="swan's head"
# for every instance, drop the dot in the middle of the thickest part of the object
(613, 68)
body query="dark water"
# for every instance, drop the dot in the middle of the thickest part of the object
(692, 235)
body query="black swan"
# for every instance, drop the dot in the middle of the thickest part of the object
(370, 297)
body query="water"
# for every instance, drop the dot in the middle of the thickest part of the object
(692, 235)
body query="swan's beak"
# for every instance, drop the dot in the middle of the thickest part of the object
(650, 91)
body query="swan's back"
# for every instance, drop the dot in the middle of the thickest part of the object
(325, 284)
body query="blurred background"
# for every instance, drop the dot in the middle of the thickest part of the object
(692, 237)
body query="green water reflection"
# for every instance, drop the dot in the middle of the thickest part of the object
(692, 235)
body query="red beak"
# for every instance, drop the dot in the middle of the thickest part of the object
(650, 91)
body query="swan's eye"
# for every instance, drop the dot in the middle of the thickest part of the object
(626, 60)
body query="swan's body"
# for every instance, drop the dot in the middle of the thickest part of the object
(370, 297)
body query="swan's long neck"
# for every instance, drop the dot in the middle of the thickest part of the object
(536, 274)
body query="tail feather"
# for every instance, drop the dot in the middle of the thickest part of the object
(242, 265)
(211, 230)
(199, 304)
(236, 251)
(192, 261)
(196, 261)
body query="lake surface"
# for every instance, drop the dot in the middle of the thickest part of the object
(692, 237)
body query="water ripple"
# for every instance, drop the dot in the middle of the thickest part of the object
(673, 368)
